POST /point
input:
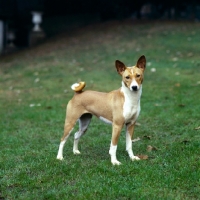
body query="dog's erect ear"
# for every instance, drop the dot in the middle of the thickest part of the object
(141, 63)
(120, 67)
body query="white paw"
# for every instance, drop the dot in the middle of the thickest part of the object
(135, 158)
(76, 152)
(59, 157)
(115, 162)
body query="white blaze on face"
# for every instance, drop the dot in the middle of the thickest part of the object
(132, 71)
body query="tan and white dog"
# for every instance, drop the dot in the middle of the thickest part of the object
(119, 107)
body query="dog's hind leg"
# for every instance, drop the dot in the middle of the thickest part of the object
(71, 118)
(84, 121)
(67, 130)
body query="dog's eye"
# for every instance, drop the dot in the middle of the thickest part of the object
(127, 77)
(137, 75)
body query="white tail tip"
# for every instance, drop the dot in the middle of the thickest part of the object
(77, 87)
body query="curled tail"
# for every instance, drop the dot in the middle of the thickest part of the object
(77, 87)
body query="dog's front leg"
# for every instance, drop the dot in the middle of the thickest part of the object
(129, 134)
(116, 129)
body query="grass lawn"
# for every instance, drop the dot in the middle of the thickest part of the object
(34, 91)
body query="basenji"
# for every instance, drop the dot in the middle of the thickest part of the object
(119, 107)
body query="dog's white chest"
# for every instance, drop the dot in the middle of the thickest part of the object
(130, 112)
(131, 107)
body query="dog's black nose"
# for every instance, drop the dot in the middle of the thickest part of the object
(134, 88)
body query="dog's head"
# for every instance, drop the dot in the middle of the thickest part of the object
(132, 76)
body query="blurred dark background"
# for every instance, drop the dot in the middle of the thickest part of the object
(16, 18)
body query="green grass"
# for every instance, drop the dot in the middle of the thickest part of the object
(169, 117)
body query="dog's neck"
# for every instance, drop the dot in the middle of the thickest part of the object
(131, 107)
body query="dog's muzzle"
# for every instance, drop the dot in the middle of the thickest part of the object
(134, 88)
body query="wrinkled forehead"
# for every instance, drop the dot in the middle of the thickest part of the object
(132, 70)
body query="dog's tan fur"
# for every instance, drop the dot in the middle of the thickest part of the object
(112, 107)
